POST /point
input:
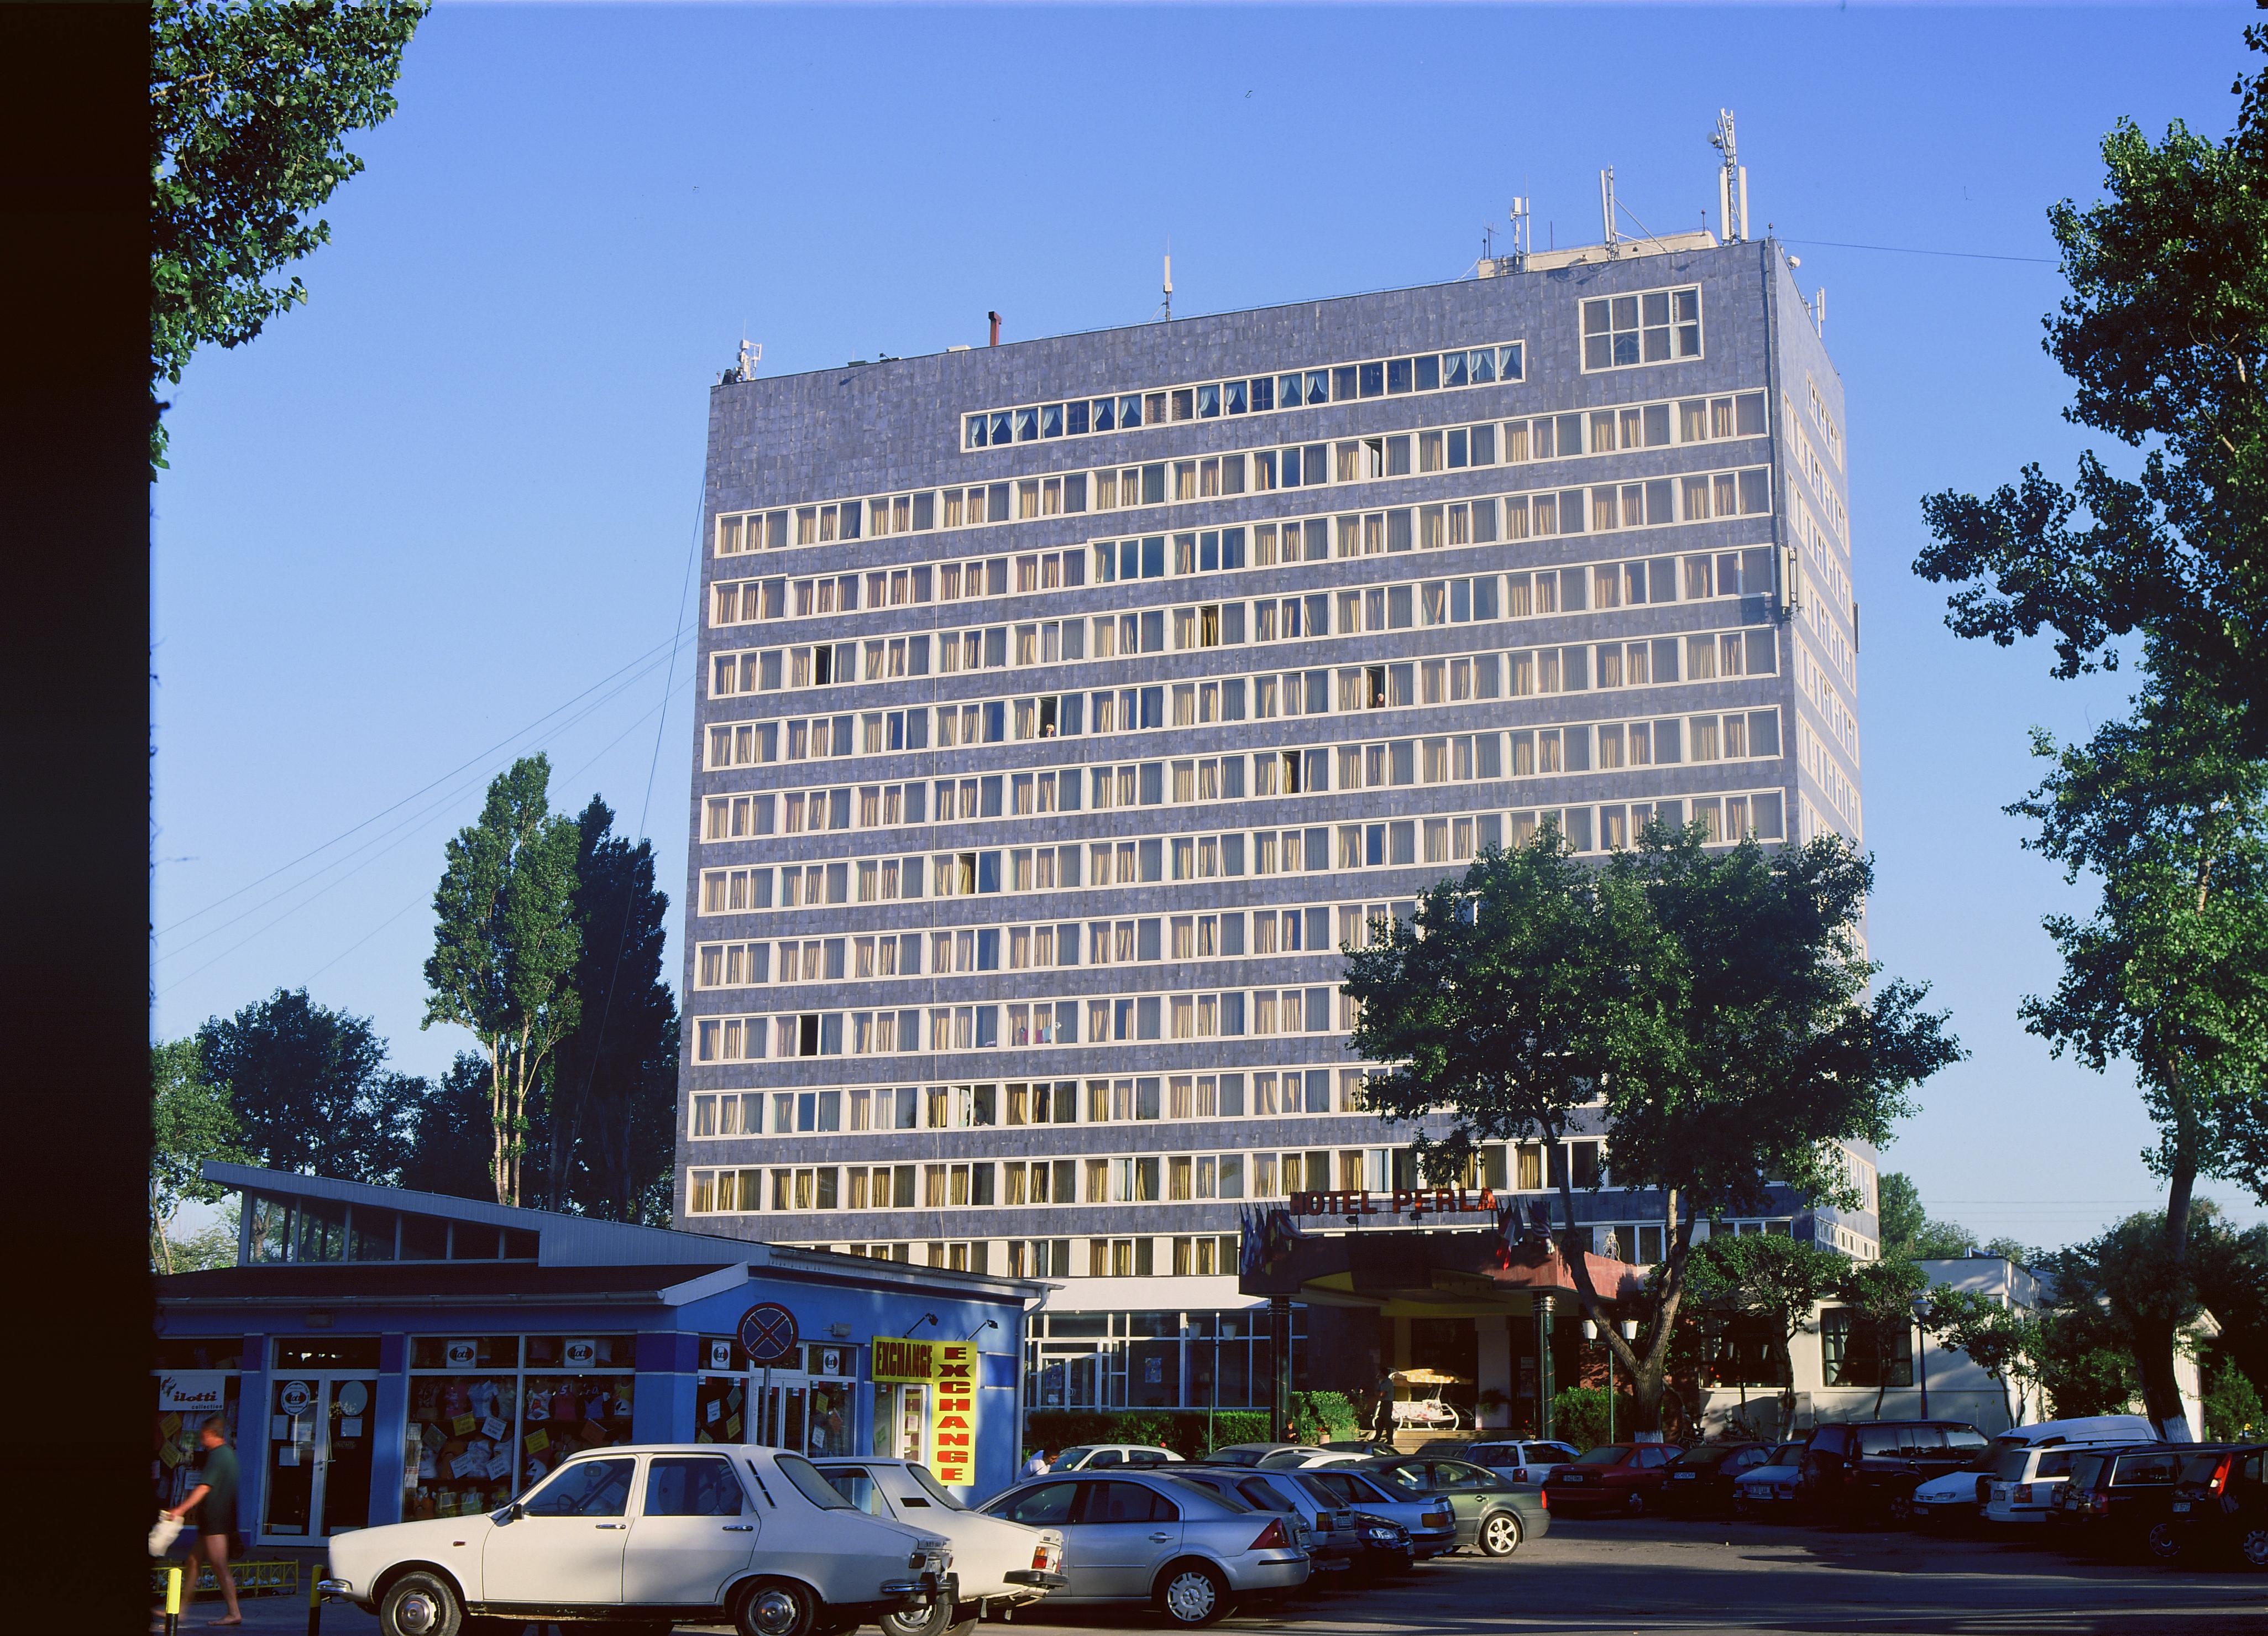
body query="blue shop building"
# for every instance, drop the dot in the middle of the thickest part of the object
(385, 1355)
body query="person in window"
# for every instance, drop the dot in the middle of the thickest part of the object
(213, 1498)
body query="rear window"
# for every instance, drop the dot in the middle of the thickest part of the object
(2201, 1468)
(1605, 1453)
(2085, 1468)
(2008, 1464)
(2054, 1463)
(810, 1484)
(935, 1490)
(1228, 1501)
(1881, 1440)
(2144, 1469)
(1967, 1438)
(1706, 1453)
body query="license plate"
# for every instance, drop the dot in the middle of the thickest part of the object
(1683, 1477)
(1571, 1479)
(2181, 1505)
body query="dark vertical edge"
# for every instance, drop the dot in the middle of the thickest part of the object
(74, 650)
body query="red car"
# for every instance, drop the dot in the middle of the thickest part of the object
(1623, 1477)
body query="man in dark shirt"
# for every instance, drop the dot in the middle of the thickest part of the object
(213, 1498)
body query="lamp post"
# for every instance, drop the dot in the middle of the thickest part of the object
(1921, 1309)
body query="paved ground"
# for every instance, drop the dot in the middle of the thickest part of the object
(1664, 1579)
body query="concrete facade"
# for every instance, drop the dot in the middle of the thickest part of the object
(1403, 665)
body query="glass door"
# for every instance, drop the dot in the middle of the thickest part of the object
(319, 1456)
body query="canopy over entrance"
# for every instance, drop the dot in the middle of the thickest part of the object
(1419, 1272)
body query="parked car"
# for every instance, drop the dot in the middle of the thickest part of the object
(998, 1565)
(1770, 1486)
(1700, 1480)
(1383, 1545)
(1145, 1535)
(1325, 1532)
(1492, 1515)
(1430, 1523)
(1086, 1455)
(1866, 1470)
(643, 1537)
(1275, 1455)
(1959, 1496)
(1521, 1462)
(1613, 1476)
(2221, 1504)
(2118, 1501)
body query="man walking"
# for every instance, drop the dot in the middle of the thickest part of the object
(1040, 1463)
(213, 1498)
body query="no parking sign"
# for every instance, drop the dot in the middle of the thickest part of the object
(767, 1331)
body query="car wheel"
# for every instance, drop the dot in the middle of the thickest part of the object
(421, 1604)
(1902, 1510)
(2252, 1545)
(1635, 1505)
(929, 1621)
(1192, 1594)
(778, 1607)
(2164, 1543)
(1500, 1533)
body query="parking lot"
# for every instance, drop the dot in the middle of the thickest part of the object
(1673, 1576)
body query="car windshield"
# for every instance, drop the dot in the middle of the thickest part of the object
(1068, 1461)
(810, 1483)
(934, 1488)
(1238, 1454)
(1787, 1454)
(1605, 1453)
(1708, 1453)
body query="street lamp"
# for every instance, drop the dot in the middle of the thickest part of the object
(1921, 1309)
(1629, 1327)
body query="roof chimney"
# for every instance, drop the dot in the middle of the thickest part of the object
(995, 317)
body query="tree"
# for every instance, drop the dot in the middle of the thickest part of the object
(1716, 1001)
(2006, 1343)
(1775, 1282)
(449, 1148)
(2147, 1298)
(250, 106)
(505, 950)
(2232, 1410)
(1908, 1230)
(610, 1113)
(310, 1087)
(190, 1122)
(2170, 973)
(1882, 1293)
(2165, 337)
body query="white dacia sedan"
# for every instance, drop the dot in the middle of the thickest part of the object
(645, 1537)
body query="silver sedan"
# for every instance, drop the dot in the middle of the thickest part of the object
(1146, 1537)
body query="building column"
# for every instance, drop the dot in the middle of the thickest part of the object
(1280, 1338)
(389, 1422)
(1544, 1389)
(1494, 1374)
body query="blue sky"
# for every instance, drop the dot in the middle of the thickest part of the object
(453, 497)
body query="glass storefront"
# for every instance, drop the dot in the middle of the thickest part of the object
(194, 1379)
(1152, 1360)
(490, 1415)
(804, 1402)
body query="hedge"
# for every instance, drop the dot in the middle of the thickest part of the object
(1182, 1431)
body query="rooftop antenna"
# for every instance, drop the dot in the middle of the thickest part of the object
(751, 355)
(1169, 281)
(1819, 313)
(1607, 206)
(1523, 217)
(1732, 182)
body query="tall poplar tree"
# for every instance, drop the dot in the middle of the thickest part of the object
(505, 948)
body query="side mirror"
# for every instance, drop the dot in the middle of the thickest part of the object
(515, 1512)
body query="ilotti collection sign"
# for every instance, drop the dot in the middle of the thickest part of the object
(948, 1368)
(1441, 1201)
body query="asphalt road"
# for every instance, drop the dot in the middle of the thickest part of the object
(1661, 1577)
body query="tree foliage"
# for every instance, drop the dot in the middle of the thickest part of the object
(2232, 1410)
(2164, 335)
(611, 1101)
(251, 102)
(506, 948)
(451, 1149)
(1883, 1293)
(2006, 1343)
(310, 1087)
(1713, 1001)
(2170, 973)
(190, 1122)
(1774, 1280)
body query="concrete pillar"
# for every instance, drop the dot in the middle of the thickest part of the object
(1494, 1374)
(1279, 1336)
(1544, 1387)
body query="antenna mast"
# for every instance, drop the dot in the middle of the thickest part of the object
(751, 354)
(1169, 282)
(1606, 206)
(1523, 214)
(1732, 182)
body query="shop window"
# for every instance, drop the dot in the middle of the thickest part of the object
(489, 1417)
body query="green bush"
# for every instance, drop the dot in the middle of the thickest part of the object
(1333, 1411)
(2232, 1410)
(1579, 1416)
(1182, 1431)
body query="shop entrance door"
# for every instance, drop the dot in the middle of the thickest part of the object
(320, 1455)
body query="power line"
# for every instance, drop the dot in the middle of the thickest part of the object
(1907, 249)
(228, 897)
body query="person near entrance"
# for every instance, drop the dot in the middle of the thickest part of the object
(1040, 1464)
(1381, 1414)
(213, 1498)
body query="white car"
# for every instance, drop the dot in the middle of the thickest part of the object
(643, 1537)
(1088, 1455)
(998, 1565)
(1963, 1496)
(1769, 1487)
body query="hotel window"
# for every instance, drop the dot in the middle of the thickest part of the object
(1655, 326)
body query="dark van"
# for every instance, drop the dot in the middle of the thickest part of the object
(1866, 1470)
